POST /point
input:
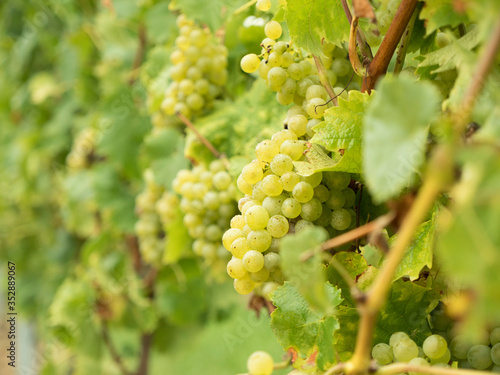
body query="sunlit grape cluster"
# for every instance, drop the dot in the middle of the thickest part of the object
(83, 149)
(278, 201)
(149, 228)
(208, 203)
(436, 352)
(198, 73)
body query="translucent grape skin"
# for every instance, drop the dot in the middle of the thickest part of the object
(495, 354)
(253, 261)
(260, 363)
(382, 354)
(459, 347)
(256, 217)
(244, 285)
(250, 63)
(273, 30)
(435, 346)
(405, 350)
(418, 362)
(277, 226)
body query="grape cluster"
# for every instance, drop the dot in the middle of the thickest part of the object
(208, 203)
(82, 152)
(386, 13)
(436, 352)
(198, 74)
(149, 227)
(278, 201)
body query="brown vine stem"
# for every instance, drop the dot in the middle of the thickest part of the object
(112, 350)
(403, 46)
(378, 67)
(398, 368)
(364, 47)
(323, 78)
(202, 139)
(146, 340)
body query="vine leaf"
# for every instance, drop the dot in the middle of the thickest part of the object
(296, 325)
(354, 263)
(406, 310)
(317, 161)
(342, 130)
(395, 133)
(310, 22)
(419, 254)
(439, 13)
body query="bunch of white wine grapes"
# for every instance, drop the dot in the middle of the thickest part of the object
(401, 348)
(198, 73)
(278, 201)
(385, 14)
(83, 149)
(166, 207)
(208, 203)
(149, 227)
(483, 355)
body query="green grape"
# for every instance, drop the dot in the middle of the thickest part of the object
(276, 77)
(260, 363)
(259, 240)
(244, 285)
(459, 347)
(396, 337)
(284, 99)
(243, 186)
(495, 369)
(295, 71)
(239, 247)
(274, 60)
(303, 224)
(230, 236)
(445, 358)
(326, 217)
(314, 179)
(211, 200)
(337, 180)
(252, 173)
(263, 5)
(479, 357)
(266, 151)
(336, 199)
(316, 91)
(283, 135)
(257, 192)
(274, 245)
(281, 164)
(495, 336)
(289, 180)
(237, 222)
(341, 67)
(418, 362)
(294, 149)
(277, 226)
(272, 261)
(310, 126)
(405, 350)
(264, 69)
(321, 193)
(268, 288)
(280, 47)
(289, 87)
(316, 107)
(247, 205)
(303, 192)
(442, 365)
(291, 208)
(298, 125)
(435, 346)
(271, 185)
(273, 30)
(253, 261)
(256, 217)
(495, 354)
(308, 69)
(235, 268)
(259, 276)
(273, 204)
(382, 354)
(213, 233)
(350, 197)
(221, 180)
(311, 210)
(250, 63)
(287, 59)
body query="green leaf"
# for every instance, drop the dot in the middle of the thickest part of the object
(307, 276)
(317, 161)
(312, 21)
(342, 129)
(468, 246)
(395, 133)
(420, 251)
(406, 310)
(211, 13)
(297, 326)
(354, 263)
(439, 13)
(453, 55)
(178, 242)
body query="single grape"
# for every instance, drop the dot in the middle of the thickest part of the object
(280, 47)
(271, 185)
(289, 180)
(418, 362)
(442, 40)
(459, 347)
(337, 180)
(396, 337)
(435, 346)
(256, 217)
(443, 359)
(239, 247)
(316, 91)
(314, 179)
(350, 197)
(316, 107)
(273, 30)
(291, 208)
(276, 77)
(259, 240)
(230, 236)
(321, 193)
(298, 124)
(221, 180)
(495, 354)
(277, 226)
(311, 210)
(274, 60)
(271, 261)
(289, 87)
(382, 354)
(273, 204)
(303, 192)
(336, 200)
(479, 357)
(405, 350)
(259, 276)
(341, 219)
(310, 126)
(495, 336)
(253, 261)
(303, 224)
(235, 268)
(266, 151)
(281, 164)
(244, 285)
(295, 71)
(260, 363)
(252, 173)
(283, 135)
